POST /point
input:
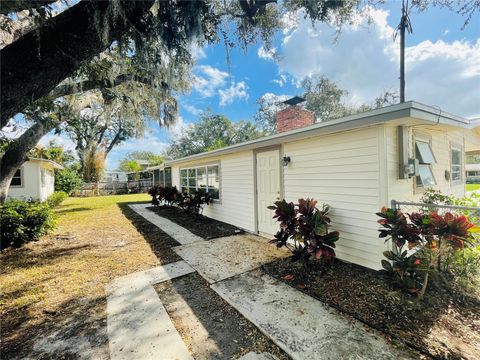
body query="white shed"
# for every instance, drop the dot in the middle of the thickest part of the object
(357, 164)
(34, 180)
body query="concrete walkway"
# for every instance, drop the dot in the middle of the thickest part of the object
(137, 323)
(225, 257)
(303, 327)
(179, 233)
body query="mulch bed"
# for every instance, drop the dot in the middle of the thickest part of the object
(445, 325)
(199, 225)
(209, 326)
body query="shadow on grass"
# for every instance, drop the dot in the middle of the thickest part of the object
(71, 210)
(28, 258)
(160, 243)
(74, 326)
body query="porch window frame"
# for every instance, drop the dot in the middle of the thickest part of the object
(189, 169)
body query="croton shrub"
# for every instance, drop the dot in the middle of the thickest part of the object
(192, 203)
(422, 244)
(304, 230)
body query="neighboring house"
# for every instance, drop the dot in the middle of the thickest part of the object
(473, 173)
(356, 164)
(110, 176)
(34, 180)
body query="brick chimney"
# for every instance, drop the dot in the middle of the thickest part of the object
(293, 117)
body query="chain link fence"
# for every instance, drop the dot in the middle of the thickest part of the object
(410, 207)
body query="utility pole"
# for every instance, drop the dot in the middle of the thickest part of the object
(404, 25)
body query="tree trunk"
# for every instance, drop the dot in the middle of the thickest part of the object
(16, 154)
(38, 61)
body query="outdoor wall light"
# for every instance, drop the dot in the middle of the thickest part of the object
(286, 160)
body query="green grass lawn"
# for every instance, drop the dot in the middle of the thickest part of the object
(472, 187)
(64, 274)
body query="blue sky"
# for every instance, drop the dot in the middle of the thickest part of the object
(443, 69)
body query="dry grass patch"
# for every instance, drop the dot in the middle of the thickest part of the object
(56, 286)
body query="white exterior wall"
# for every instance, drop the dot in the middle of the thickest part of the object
(346, 171)
(31, 182)
(441, 140)
(237, 200)
(30, 188)
(47, 181)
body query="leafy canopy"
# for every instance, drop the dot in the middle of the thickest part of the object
(210, 133)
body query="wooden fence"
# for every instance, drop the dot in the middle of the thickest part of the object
(114, 187)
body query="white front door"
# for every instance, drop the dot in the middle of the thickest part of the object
(268, 189)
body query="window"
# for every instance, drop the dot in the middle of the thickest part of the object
(17, 178)
(456, 158)
(168, 176)
(43, 175)
(202, 178)
(425, 157)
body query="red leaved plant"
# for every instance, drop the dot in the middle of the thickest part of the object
(304, 230)
(431, 235)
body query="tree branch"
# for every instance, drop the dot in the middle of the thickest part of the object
(9, 6)
(38, 61)
(70, 89)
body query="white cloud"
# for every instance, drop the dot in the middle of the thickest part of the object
(281, 81)
(60, 140)
(235, 91)
(149, 142)
(192, 109)
(179, 127)
(208, 80)
(365, 61)
(266, 54)
(197, 52)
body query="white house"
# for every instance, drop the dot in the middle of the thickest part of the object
(473, 172)
(357, 164)
(34, 180)
(110, 176)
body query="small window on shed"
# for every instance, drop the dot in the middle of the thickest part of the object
(17, 178)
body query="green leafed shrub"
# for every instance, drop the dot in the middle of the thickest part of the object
(67, 180)
(22, 222)
(56, 198)
(304, 230)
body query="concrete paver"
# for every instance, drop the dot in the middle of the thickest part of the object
(137, 323)
(225, 257)
(303, 327)
(179, 233)
(254, 356)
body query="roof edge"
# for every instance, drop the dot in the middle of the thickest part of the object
(407, 109)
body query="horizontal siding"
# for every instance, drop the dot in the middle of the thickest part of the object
(342, 170)
(403, 190)
(237, 201)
